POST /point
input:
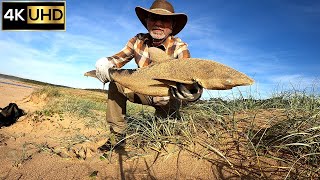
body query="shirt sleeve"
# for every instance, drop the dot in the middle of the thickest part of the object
(125, 55)
(182, 50)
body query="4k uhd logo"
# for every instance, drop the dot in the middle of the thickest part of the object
(33, 15)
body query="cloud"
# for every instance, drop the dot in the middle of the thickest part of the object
(270, 68)
(62, 57)
(199, 28)
(29, 62)
(295, 80)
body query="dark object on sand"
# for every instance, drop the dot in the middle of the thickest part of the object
(10, 114)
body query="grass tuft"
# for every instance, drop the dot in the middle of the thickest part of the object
(285, 128)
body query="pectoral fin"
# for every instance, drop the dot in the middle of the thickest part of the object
(91, 73)
(173, 82)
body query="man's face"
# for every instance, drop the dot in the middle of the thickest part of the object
(158, 26)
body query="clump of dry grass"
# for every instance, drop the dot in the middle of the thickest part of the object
(65, 102)
(284, 129)
(297, 137)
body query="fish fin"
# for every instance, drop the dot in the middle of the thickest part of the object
(158, 55)
(173, 82)
(91, 73)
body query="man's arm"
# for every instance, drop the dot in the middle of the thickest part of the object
(118, 60)
(125, 55)
(183, 51)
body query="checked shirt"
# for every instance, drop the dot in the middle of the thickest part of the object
(137, 48)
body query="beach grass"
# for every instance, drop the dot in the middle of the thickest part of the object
(281, 132)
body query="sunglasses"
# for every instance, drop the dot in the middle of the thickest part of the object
(163, 18)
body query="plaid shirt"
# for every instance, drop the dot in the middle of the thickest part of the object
(137, 48)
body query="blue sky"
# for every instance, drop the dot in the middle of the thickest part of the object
(277, 42)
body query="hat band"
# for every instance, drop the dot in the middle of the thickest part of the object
(161, 10)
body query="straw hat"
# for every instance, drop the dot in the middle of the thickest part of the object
(164, 8)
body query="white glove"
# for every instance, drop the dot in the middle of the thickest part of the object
(102, 69)
(190, 94)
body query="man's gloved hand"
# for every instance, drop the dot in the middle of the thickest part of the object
(102, 69)
(185, 92)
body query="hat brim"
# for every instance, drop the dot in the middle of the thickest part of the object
(180, 18)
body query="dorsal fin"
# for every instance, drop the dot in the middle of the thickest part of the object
(158, 55)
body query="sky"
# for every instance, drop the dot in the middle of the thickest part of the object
(276, 42)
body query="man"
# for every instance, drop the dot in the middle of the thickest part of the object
(162, 24)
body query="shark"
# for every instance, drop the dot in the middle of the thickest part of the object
(165, 72)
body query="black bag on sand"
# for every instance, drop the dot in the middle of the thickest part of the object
(10, 114)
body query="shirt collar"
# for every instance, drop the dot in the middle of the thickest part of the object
(165, 44)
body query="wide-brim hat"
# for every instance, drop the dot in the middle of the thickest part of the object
(163, 8)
